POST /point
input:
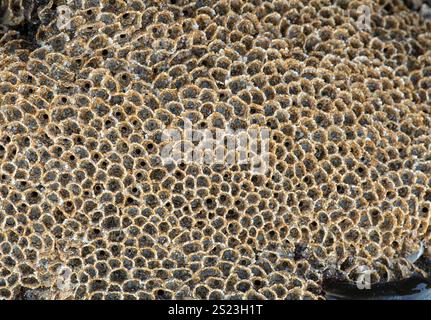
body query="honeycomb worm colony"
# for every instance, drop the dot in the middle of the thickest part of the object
(89, 89)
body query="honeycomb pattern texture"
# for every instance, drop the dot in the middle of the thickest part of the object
(88, 210)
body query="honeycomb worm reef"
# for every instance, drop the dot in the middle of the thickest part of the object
(88, 209)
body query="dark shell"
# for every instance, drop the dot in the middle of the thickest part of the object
(414, 288)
